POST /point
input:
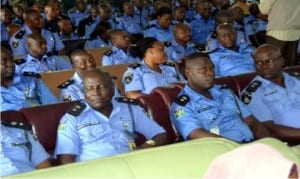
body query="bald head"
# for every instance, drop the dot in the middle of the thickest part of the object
(267, 48)
(97, 73)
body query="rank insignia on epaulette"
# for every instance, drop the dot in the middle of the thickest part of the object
(127, 100)
(36, 75)
(17, 124)
(253, 86)
(224, 86)
(246, 97)
(67, 97)
(134, 65)
(15, 43)
(108, 53)
(169, 64)
(178, 113)
(77, 109)
(214, 35)
(128, 78)
(20, 34)
(182, 100)
(19, 61)
(167, 44)
(65, 84)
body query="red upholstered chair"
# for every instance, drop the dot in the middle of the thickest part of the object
(241, 81)
(157, 108)
(228, 82)
(45, 120)
(293, 70)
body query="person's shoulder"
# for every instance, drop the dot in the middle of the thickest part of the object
(182, 99)
(20, 34)
(20, 61)
(77, 109)
(17, 125)
(250, 90)
(134, 66)
(32, 74)
(108, 53)
(66, 84)
(127, 100)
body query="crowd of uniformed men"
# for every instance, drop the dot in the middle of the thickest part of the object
(214, 38)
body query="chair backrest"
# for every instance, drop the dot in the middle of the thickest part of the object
(12, 115)
(241, 81)
(98, 53)
(53, 79)
(45, 120)
(116, 71)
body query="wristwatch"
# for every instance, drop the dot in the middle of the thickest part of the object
(150, 142)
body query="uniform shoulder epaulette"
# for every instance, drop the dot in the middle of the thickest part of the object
(212, 51)
(182, 100)
(77, 109)
(65, 84)
(213, 35)
(150, 26)
(240, 29)
(247, 95)
(127, 100)
(295, 74)
(190, 19)
(169, 64)
(251, 21)
(134, 65)
(36, 75)
(90, 21)
(17, 124)
(20, 34)
(167, 44)
(19, 61)
(108, 53)
(224, 86)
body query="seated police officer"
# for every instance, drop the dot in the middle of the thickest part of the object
(204, 109)
(273, 96)
(20, 150)
(37, 60)
(231, 58)
(101, 126)
(119, 54)
(181, 45)
(22, 90)
(72, 89)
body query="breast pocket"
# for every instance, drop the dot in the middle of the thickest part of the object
(90, 131)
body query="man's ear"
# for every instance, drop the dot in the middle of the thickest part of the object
(187, 72)
(281, 61)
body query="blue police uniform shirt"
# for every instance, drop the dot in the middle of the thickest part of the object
(46, 64)
(222, 112)
(212, 42)
(4, 33)
(254, 26)
(90, 27)
(72, 90)
(270, 101)
(139, 77)
(176, 51)
(18, 21)
(228, 62)
(129, 24)
(25, 91)
(241, 29)
(18, 42)
(91, 134)
(201, 28)
(142, 16)
(190, 13)
(96, 43)
(160, 34)
(15, 155)
(77, 16)
(117, 56)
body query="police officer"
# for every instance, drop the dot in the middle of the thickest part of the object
(223, 17)
(5, 19)
(153, 71)
(142, 12)
(230, 58)
(24, 90)
(203, 24)
(119, 54)
(130, 23)
(65, 30)
(273, 96)
(181, 45)
(79, 14)
(99, 37)
(203, 109)
(162, 30)
(34, 23)
(72, 89)
(37, 60)
(20, 150)
(101, 126)
(87, 25)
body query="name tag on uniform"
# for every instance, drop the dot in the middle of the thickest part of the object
(204, 109)
(269, 93)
